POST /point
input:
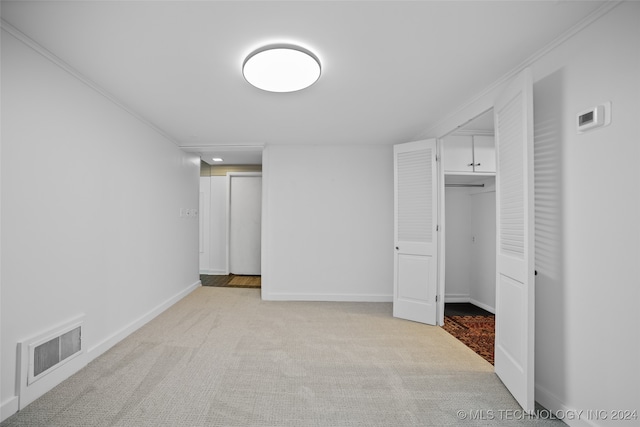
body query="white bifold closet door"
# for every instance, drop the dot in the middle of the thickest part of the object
(514, 345)
(245, 217)
(415, 213)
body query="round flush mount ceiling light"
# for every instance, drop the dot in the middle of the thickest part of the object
(281, 68)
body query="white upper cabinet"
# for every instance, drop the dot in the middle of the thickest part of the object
(458, 154)
(469, 154)
(484, 153)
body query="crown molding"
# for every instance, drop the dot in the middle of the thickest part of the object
(223, 147)
(28, 41)
(588, 20)
(472, 132)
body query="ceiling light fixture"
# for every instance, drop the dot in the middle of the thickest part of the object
(217, 159)
(281, 68)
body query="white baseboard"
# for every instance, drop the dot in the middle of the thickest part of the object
(9, 407)
(467, 298)
(483, 305)
(457, 298)
(214, 272)
(284, 296)
(45, 384)
(118, 336)
(571, 417)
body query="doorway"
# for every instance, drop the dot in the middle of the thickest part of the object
(231, 214)
(469, 210)
(515, 251)
(216, 207)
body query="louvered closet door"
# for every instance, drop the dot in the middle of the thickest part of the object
(415, 261)
(514, 345)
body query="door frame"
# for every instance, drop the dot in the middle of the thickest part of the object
(228, 209)
(441, 214)
(469, 112)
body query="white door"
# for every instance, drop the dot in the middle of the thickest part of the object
(415, 260)
(245, 213)
(514, 351)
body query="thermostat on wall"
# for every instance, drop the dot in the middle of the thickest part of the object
(595, 117)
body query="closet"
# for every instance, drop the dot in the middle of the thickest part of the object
(468, 160)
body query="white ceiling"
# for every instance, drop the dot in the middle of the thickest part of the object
(391, 69)
(483, 123)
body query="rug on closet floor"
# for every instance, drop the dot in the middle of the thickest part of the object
(476, 332)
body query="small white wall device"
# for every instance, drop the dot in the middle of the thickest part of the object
(595, 117)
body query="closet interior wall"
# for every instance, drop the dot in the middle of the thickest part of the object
(470, 248)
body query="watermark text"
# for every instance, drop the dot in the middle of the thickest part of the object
(543, 414)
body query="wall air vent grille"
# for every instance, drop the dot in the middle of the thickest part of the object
(49, 353)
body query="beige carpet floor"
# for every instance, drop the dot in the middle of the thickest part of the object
(224, 357)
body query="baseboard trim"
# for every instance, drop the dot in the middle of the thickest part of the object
(118, 336)
(214, 272)
(483, 305)
(284, 296)
(9, 407)
(47, 383)
(457, 298)
(556, 407)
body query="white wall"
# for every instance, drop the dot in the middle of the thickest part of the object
(219, 224)
(470, 226)
(482, 291)
(214, 258)
(457, 232)
(328, 223)
(205, 224)
(587, 210)
(90, 212)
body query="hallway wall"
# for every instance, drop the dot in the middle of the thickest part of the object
(91, 224)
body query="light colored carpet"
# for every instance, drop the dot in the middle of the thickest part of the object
(223, 357)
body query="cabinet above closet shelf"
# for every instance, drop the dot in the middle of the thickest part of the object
(455, 173)
(484, 180)
(469, 154)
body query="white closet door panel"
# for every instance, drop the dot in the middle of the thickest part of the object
(415, 216)
(415, 261)
(515, 297)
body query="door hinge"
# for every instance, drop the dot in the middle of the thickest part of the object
(437, 298)
(437, 158)
(437, 227)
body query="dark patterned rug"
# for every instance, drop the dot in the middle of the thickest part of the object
(476, 332)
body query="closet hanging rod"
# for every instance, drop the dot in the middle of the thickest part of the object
(464, 185)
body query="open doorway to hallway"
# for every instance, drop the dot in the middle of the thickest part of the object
(230, 220)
